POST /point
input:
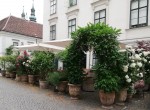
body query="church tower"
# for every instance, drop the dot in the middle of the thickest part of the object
(23, 14)
(32, 16)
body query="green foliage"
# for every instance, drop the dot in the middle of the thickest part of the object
(55, 77)
(9, 50)
(106, 79)
(6, 61)
(103, 40)
(42, 63)
(62, 55)
(11, 68)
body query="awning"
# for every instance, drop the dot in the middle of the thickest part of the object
(40, 47)
(60, 43)
(66, 42)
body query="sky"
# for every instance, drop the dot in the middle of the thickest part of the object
(15, 7)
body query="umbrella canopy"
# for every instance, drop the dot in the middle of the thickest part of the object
(40, 47)
(61, 43)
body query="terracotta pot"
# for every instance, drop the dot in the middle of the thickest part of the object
(62, 86)
(24, 78)
(88, 84)
(3, 72)
(74, 91)
(31, 79)
(121, 96)
(18, 78)
(7, 75)
(43, 84)
(12, 75)
(36, 77)
(107, 99)
(129, 97)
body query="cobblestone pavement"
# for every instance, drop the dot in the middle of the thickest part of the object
(18, 96)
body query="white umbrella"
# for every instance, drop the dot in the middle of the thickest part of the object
(40, 47)
(61, 43)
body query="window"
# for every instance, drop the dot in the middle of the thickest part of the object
(53, 32)
(15, 43)
(71, 26)
(52, 6)
(72, 2)
(100, 16)
(29, 43)
(94, 59)
(138, 13)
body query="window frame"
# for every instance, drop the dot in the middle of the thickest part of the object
(99, 11)
(70, 26)
(138, 9)
(15, 42)
(72, 4)
(53, 32)
(53, 6)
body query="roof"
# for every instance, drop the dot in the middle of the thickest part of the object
(21, 26)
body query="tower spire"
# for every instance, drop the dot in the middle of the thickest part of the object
(32, 16)
(23, 14)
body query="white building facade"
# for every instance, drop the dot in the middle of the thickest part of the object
(61, 17)
(16, 31)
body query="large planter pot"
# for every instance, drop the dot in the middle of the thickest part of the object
(7, 75)
(43, 84)
(31, 79)
(107, 99)
(129, 97)
(3, 72)
(24, 78)
(121, 97)
(74, 91)
(18, 78)
(88, 84)
(36, 78)
(62, 86)
(12, 75)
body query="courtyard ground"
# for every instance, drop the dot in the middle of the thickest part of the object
(19, 96)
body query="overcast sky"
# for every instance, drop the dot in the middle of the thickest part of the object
(15, 7)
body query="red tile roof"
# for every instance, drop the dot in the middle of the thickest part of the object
(20, 26)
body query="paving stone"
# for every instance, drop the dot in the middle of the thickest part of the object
(18, 96)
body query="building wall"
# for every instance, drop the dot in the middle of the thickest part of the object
(117, 15)
(7, 39)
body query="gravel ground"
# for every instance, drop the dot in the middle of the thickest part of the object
(19, 96)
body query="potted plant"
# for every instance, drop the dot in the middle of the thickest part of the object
(59, 80)
(22, 66)
(3, 65)
(74, 69)
(43, 64)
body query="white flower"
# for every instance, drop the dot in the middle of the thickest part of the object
(125, 68)
(132, 61)
(128, 80)
(130, 57)
(132, 65)
(144, 60)
(149, 61)
(128, 47)
(141, 75)
(140, 54)
(127, 77)
(137, 57)
(145, 53)
(27, 65)
(139, 64)
(23, 63)
(138, 75)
